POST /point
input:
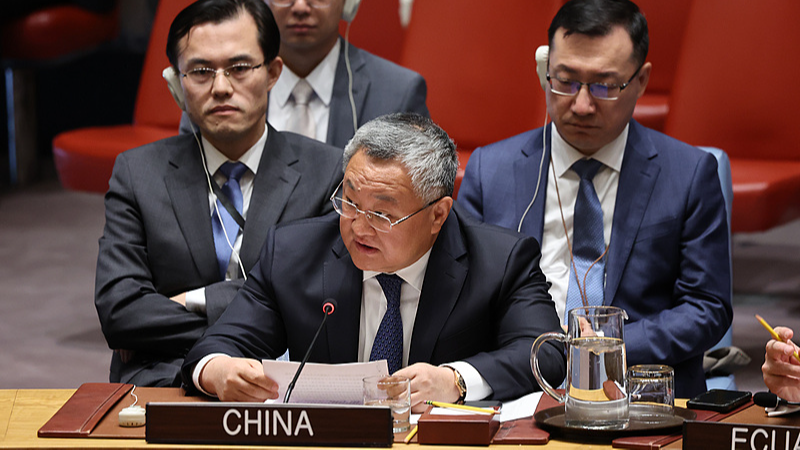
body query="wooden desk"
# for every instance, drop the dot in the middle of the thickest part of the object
(24, 411)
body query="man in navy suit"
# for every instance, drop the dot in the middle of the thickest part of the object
(664, 224)
(472, 298)
(312, 51)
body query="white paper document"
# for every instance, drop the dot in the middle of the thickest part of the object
(522, 407)
(323, 383)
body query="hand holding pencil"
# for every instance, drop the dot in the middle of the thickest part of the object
(781, 367)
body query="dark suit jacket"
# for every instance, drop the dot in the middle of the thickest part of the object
(158, 242)
(379, 87)
(668, 258)
(484, 301)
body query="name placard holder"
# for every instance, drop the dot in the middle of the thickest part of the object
(273, 424)
(734, 436)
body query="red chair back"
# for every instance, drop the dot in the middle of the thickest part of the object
(478, 60)
(377, 29)
(732, 85)
(666, 22)
(154, 104)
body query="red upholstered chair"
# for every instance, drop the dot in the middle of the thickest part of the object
(478, 60)
(666, 22)
(84, 158)
(45, 37)
(729, 93)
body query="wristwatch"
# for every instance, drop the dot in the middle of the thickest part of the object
(461, 385)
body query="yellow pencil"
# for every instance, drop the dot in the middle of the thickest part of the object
(462, 407)
(411, 434)
(775, 335)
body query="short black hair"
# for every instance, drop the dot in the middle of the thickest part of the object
(216, 11)
(597, 18)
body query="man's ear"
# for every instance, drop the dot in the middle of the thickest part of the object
(440, 210)
(644, 77)
(274, 69)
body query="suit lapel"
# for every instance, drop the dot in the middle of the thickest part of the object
(343, 282)
(526, 176)
(272, 187)
(340, 122)
(444, 279)
(188, 191)
(636, 181)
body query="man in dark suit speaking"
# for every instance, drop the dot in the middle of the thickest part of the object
(470, 297)
(172, 254)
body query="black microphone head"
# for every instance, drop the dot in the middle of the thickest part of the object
(329, 305)
(766, 399)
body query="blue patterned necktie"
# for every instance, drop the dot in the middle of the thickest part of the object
(588, 241)
(233, 172)
(388, 342)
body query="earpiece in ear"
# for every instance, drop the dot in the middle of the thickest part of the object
(542, 55)
(174, 85)
(350, 9)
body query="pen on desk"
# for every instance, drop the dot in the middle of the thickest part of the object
(411, 434)
(462, 407)
(775, 335)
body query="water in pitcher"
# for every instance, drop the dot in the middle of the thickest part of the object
(596, 385)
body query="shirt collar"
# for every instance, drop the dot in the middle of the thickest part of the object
(250, 158)
(564, 154)
(413, 274)
(320, 79)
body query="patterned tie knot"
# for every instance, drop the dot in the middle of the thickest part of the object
(233, 170)
(391, 286)
(586, 168)
(302, 92)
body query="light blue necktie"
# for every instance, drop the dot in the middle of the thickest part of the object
(587, 240)
(233, 172)
(388, 342)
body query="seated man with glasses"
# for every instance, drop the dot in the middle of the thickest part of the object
(626, 216)
(186, 217)
(450, 303)
(321, 72)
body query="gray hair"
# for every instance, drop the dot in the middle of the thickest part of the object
(421, 146)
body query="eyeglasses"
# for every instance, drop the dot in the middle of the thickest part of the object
(311, 3)
(377, 220)
(237, 72)
(603, 91)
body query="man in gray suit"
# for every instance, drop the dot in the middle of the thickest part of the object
(314, 53)
(176, 246)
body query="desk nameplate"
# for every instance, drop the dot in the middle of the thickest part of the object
(273, 424)
(732, 436)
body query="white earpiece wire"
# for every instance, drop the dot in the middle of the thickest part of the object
(539, 178)
(350, 76)
(214, 197)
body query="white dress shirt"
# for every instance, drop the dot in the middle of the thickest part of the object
(373, 307)
(196, 299)
(320, 79)
(555, 261)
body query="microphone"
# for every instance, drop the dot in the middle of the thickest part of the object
(770, 400)
(328, 307)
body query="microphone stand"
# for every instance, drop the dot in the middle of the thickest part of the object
(328, 307)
